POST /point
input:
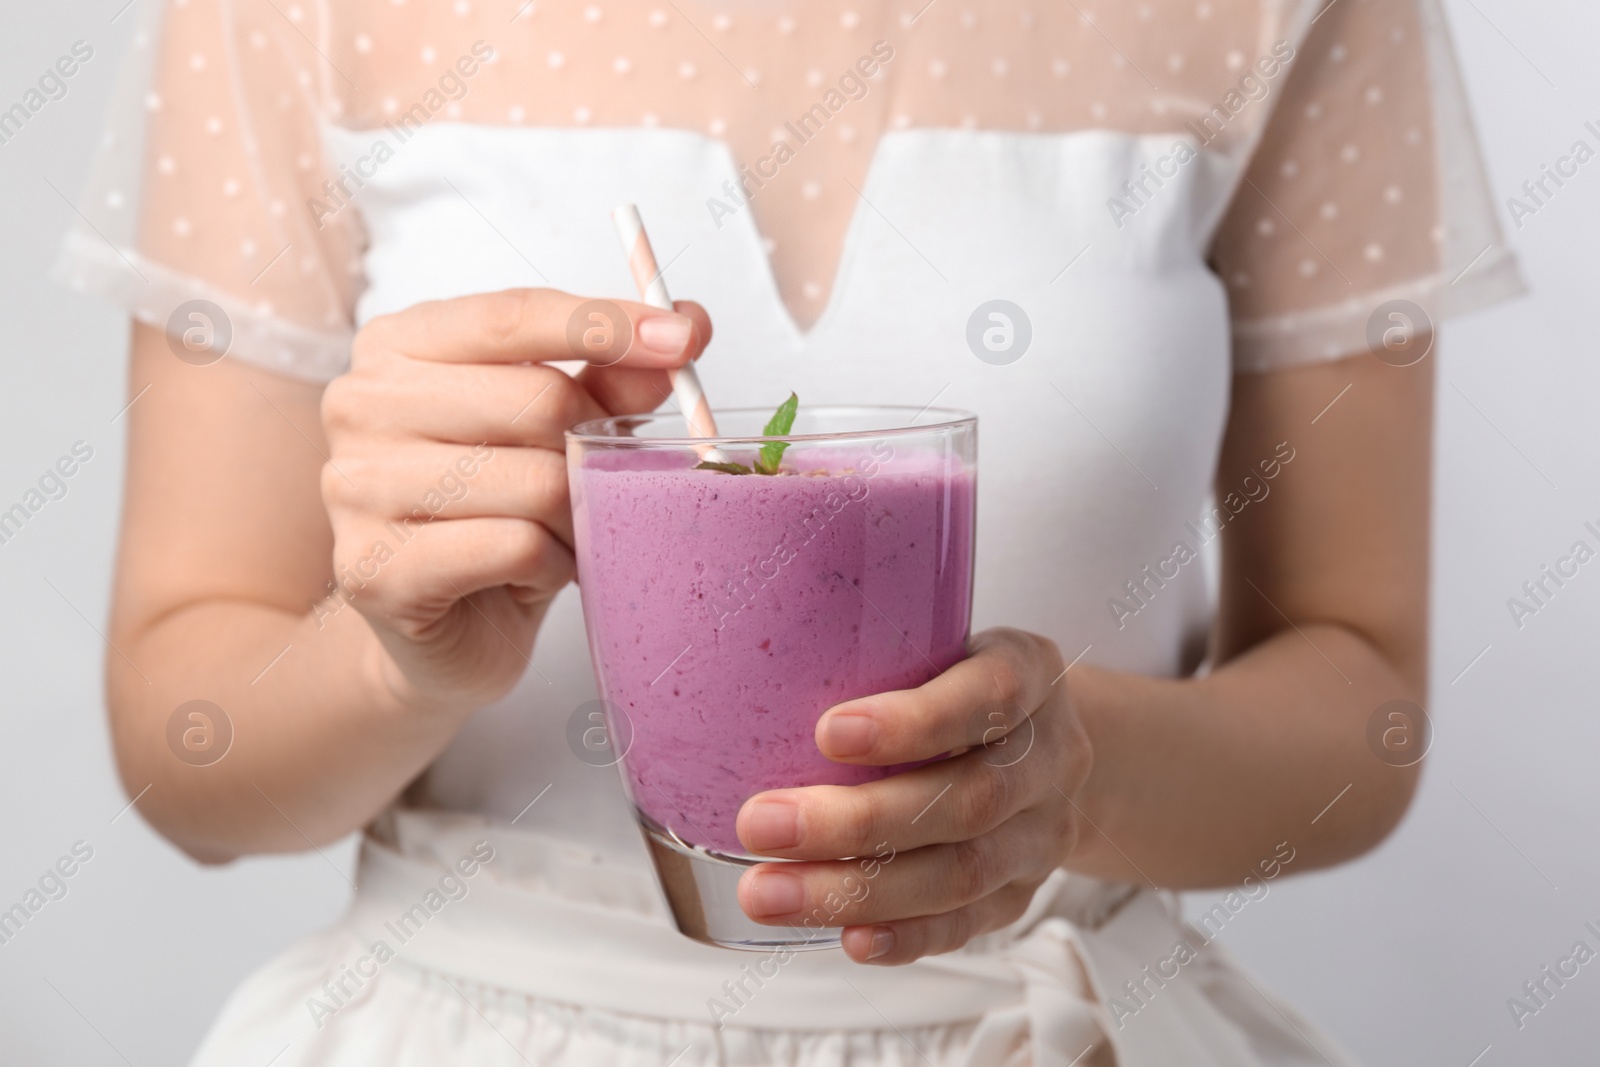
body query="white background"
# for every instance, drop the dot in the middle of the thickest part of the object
(1407, 957)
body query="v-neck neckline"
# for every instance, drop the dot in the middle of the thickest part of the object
(722, 159)
(800, 336)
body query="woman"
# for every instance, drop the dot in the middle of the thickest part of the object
(1221, 232)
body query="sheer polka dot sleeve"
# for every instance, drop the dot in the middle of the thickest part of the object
(1366, 187)
(204, 187)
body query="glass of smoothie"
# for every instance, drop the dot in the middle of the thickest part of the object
(727, 611)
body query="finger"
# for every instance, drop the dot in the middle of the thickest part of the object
(1006, 677)
(428, 481)
(471, 404)
(923, 881)
(411, 576)
(888, 944)
(623, 390)
(702, 321)
(952, 800)
(626, 390)
(533, 325)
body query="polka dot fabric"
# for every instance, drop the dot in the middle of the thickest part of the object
(1326, 115)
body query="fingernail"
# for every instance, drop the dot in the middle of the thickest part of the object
(772, 824)
(882, 942)
(850, 735)
(776, 893)
(666, 334)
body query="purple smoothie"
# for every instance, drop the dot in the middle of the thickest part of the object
(726, 613)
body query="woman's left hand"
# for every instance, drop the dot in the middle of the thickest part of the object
(945, 852)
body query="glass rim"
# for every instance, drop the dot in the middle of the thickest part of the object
(950, 418)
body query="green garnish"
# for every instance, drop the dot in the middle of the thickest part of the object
(781, 423)
(771, 456)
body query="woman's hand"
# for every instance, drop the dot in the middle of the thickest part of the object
(447, 480)
(950, 850)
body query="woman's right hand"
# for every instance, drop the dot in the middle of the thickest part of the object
(447, 481)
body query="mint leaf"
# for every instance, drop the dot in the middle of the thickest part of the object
(725, 468)
(782, 422)
(771, 455)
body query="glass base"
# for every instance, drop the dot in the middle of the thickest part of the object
(702, 890)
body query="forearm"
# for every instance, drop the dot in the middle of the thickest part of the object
(1197, 781)
(319, 742)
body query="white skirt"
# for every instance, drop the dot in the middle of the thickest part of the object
(475, 943)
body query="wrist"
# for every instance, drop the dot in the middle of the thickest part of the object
(380, 683)
(448, 680)
(1107, 712)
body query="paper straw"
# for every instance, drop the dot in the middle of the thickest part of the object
(653, 291)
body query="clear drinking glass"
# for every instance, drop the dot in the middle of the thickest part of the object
(727, 612)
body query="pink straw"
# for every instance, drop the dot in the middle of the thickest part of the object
(653, 291)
